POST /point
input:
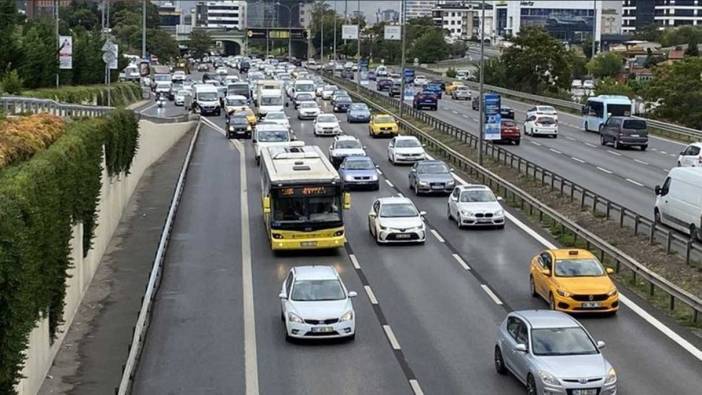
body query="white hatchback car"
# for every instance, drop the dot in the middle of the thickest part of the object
(396, 220)
(541, 125)
(315, 304)
(326, 125)
(475, 205)
(405, 149)
(691, 156)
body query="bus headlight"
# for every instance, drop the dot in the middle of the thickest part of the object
(277, 236)
(339, 233)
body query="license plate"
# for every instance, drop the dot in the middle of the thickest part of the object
(308, 244)
(591, 305)
(322, 329)
(437, 187)
(586, 391)
(403, 236)
(634, 135)
(484, 221)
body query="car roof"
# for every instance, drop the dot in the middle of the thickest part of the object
(474, 187)
(315, 272)
(406, 138)
(430, 162)
(345, 137)
(538, 319)
(571, 253)
(395, 199)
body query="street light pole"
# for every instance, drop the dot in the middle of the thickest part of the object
(143, 30)
(58, 40)
(482, 76)
(594, 27)
(321, 40)
(334, 30)
(403, 23)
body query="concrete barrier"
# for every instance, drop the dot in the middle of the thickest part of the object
(154, 140)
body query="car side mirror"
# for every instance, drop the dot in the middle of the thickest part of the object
(282, 295)
(424, 145)
(353, 294)
(520, 348)
(413, 170)
(601, 344)
(499, 198)
(422, 213)
(609, 270)
(372, 215)
(585, 110)
(657, 189)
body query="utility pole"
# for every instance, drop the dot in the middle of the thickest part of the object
(143, 30)
(403, 21)
(594, 27)
(321, 40)
(358, 47)
(58, 40)
(481, 108)
(334, 30)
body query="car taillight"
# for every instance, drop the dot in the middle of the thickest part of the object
(699, 159)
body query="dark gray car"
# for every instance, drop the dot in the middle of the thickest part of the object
(624, 132)
(431, 176)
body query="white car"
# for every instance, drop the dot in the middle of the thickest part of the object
(588, 84)
(328, 91)
(233, 103)
(475, 205)
(230, 78)
(315, 304)
(307, 110)
(179, 97)
(543, 110)
(691, 156)
(326, 125)
(222, 71)
(278, 118)
(344, 146)
(270, 135)
(420, 80)
(178, 76)
(541, 125)
(405, 149)
(396, 220)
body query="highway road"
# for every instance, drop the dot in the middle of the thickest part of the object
(441, 301)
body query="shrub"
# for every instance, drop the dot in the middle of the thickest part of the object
(122, 94)
(11, 83)
(20, 138)
(451, 72)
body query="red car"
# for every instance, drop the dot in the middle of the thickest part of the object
(509, 132)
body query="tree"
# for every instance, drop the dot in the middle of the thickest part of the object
(429, 47)
(606, 64)
(40, 63)
(678, 88)
(11, 83)
(200, 43)
(680, 35)
(9, 38)
(610, 86)
(692, 47)
(648, 33)
(161, 44)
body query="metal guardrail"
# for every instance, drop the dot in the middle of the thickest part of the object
(523, 199)
(685, 133)
(13, 105)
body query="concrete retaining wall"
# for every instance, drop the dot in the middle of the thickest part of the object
(154, 141)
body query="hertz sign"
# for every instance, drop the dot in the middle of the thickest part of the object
(277, 33)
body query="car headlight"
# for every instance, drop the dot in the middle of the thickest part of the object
(612, 292)
(611, 377)
(382, 227)
(466, 213)
(294, 318)
(563, 292)
(374, 177)
(499, 213)
(248, 127)
(548, 378)
(348, 316)
(423, 183)
(348, 178)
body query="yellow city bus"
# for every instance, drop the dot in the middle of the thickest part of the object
(303, 199)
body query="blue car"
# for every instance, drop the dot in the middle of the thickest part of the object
(341, 103)
(359, 172)
(433, 88)
(358, 112)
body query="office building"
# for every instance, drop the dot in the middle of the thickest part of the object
(169, 14)
(419, 8)
(221, 14)
(39, 8)
(663, 13)
(387, 16)
(461, 19)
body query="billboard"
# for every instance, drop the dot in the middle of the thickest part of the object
(393, 32)
(65, 52)
(349, 32)
(491, 106)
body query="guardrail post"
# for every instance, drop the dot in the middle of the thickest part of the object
(652, 236)
(622, 210)
(609, 207)
(672, 302)
(688, 248)
(582, 199)
(636, 224)
(668, 241)
(651, 289)
(594, 204)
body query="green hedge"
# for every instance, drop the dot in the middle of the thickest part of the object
(123, 94)
(40, 200)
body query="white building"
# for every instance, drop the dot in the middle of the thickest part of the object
(462, 18)
(664, 13)
(306, 15)
(419, 8)
(226, 14)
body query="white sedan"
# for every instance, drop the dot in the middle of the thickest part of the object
(541, 125)
(405, 149)
(307, 110)
(420, 80)
(475, 205)
(396, 220)
(278, 118)
(328, 91)
(222, 71)
(315, 304)
(326, 125)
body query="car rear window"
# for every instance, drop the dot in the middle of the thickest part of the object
(634, 124)
(509, 124)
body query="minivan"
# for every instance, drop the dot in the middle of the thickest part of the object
(679, 201)
(624, 132)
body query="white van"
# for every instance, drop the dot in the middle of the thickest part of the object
(679, 201)
(271, 135)
(206, 100)
(269, 100)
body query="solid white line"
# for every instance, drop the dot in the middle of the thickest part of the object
(354, 261)
(391, 336)
(635, 182)
(438, 236)
(614, 153)
(604, 170)
(147, 108)
(491, 294)
(461, 261)
(250, 357)
(415, 387)
(389, 184)
(577, 160)
(371, 295)
(555, 150)
(640, 161)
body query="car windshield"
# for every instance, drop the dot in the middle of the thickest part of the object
(275, 115)
(271, 101)
(477, 196)
(359, 107)
(578, 268)
(239, 120)
(348, 144)
(183, 93)
(207, 96)
(397, 210)
(344, 99)
(272, 136)
(307, 104)
(561, 341)
(407, 143)
(317, 290)
(326, 119)
(634, 124)
(236, 102)
(432, 168)
(359, 164)
(509, 124)
(384, 119)
(546, 109)
(331, 88)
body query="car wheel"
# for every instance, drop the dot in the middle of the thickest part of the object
(516, 142)
(643, 147)
(531, 385)
(448, 213)
(616, 144)
(586, 128)
(532, 287)
(679, 164)
(602, 140)
(499, 362)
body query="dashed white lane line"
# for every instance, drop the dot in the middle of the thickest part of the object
(379, 171)
(415, 387)
(389, 184)
(640, 161)
(577, 159)
(391, 337)
(461, 261)
(635, 182)
(491, 294)
(604, 170)
(371, 295)
(570, 138)
(614, 152)
(354, 261)
(535, 143)
(590, 145)
(438, 236)
(555, 150)
(664, 153)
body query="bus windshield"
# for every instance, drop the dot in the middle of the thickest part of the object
(317, 209)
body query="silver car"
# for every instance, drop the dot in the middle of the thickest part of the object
(551, 353)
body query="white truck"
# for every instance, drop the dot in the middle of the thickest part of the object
(206, 100)
(269, 100)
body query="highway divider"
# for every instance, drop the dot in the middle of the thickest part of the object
(525, 201)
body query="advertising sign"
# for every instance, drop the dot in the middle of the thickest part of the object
(409, 75)
(491, 105)
(349, 32)
(65, 52)
(409, 92)
(393, 32)
(363, 71)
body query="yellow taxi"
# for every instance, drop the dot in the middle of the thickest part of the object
(452, 86)
(573, 281)
(383, 124)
